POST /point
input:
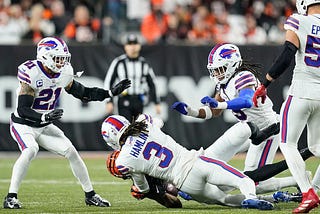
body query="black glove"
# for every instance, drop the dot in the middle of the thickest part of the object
(261, 135)
(120, 87)
(56, 114)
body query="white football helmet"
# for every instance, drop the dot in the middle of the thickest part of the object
(112, 128)
(223, 60)
(302, 5)
(53, 52)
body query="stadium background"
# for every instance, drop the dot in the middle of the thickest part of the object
(181, 75)
(179, 57)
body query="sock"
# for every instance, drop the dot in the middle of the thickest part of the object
(79, 169)
(90, 194)
(12, 195)
(275, 184)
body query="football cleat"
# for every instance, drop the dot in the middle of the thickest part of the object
(287, 197)
(11, 203)
(256, 204)
(97, 200)
(310, 200)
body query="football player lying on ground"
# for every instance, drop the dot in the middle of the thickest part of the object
(162, 192)
(146, 150)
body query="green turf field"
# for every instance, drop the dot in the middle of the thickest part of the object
(50, 187)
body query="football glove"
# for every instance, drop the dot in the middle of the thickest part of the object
(209, 100)
(180, 107)
(120, 87)
(136, 193)
(55, 114)
(261, 92)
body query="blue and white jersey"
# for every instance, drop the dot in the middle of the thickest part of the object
(47, 89)
(263, 115)
(306, 74)
(156, 154)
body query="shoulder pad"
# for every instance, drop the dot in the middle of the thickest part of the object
(293, 22)
(244, 79)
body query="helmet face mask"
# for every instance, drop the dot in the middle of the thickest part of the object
(53, 53)
(112, 128)
(223, 60)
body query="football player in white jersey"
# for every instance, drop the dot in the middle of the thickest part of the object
(236, 82)
(40, 84)
(146, 150)
(302, 105)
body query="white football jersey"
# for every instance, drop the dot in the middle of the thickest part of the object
(306, 74)
(263, 115)
(156, 154)
(47, 89)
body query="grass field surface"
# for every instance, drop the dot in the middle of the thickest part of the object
(50, 187)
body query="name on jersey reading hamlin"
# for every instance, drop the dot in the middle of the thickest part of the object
(138, 145)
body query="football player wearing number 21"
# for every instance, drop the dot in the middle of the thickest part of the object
(40, 84)
(302, 105)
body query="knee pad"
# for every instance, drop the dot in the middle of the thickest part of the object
(70, 152)
(31, 152)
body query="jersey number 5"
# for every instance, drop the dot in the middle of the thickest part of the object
(161, 152)
(313, 47)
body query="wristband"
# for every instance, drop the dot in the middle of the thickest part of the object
(43, 117)
(192, 112)
(266, 83)
(208, 112)
(222, 105)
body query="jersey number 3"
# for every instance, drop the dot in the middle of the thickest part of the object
(160, 152)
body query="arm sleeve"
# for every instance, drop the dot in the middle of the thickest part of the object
(243, 101)
(86, 94)
(284, 60)
(111, 75)
(24, 108)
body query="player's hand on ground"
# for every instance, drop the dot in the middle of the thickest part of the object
(136, 193)
(180, 107)
(56, 114)
(120, 87)
(209, 100)
(261, 92)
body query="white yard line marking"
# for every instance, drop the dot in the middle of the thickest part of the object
(34, 181)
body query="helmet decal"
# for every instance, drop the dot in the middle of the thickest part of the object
(116, 123)
(226, 53)
(223, 60)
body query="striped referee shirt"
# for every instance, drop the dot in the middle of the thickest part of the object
(138, 71)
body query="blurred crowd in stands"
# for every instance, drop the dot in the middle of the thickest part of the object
(194, 22)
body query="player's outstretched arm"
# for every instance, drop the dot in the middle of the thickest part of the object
(87, 94)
